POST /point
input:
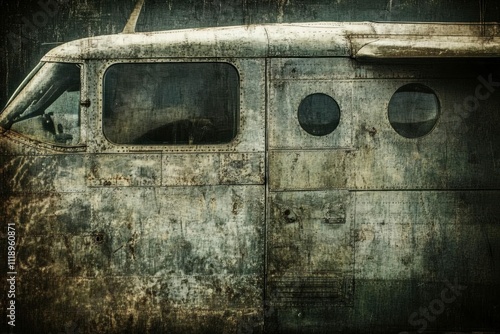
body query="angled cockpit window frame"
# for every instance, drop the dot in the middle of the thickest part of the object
(184, 107)
(24, 83)
(45, 109)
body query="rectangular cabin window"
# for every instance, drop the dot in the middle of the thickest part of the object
(171, 103)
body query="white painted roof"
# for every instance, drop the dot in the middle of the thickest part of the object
(361, 40)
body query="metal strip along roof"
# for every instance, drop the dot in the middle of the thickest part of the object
(364, 40)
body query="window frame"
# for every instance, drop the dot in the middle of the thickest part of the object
(109, 146)
(83, 113)
(307, 127)
(439, 107)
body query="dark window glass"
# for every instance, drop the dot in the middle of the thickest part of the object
(319, 114)
(48, 107)
(413, 110)
(171, 103)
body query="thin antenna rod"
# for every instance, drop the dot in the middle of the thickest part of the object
(132, 20)
(482, 17)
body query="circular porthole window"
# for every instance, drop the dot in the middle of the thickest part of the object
(319, 114)
(413, 110)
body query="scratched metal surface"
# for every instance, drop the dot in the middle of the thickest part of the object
(277, 231)
(389, 213)
(24, 44)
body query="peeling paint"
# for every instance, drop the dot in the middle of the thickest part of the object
(278, 230)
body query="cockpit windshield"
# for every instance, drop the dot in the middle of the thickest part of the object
(47, 108)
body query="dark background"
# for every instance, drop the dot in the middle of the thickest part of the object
(28, 30)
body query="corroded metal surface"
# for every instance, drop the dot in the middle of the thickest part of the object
(31, 27)
(370, 40)
(277, 230)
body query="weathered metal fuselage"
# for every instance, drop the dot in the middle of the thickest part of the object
(295, 223)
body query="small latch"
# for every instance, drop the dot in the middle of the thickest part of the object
(85, 103)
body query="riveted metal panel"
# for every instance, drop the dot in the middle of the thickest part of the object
(242, 168)
(312, 69)
(460, 152)
(191, 230)
(314, 170)
(286, 96)
(414, 231)
(310, 258)
(213, 168)
(124, 170)
(191, 169)
(427, 235)
(306, 228)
